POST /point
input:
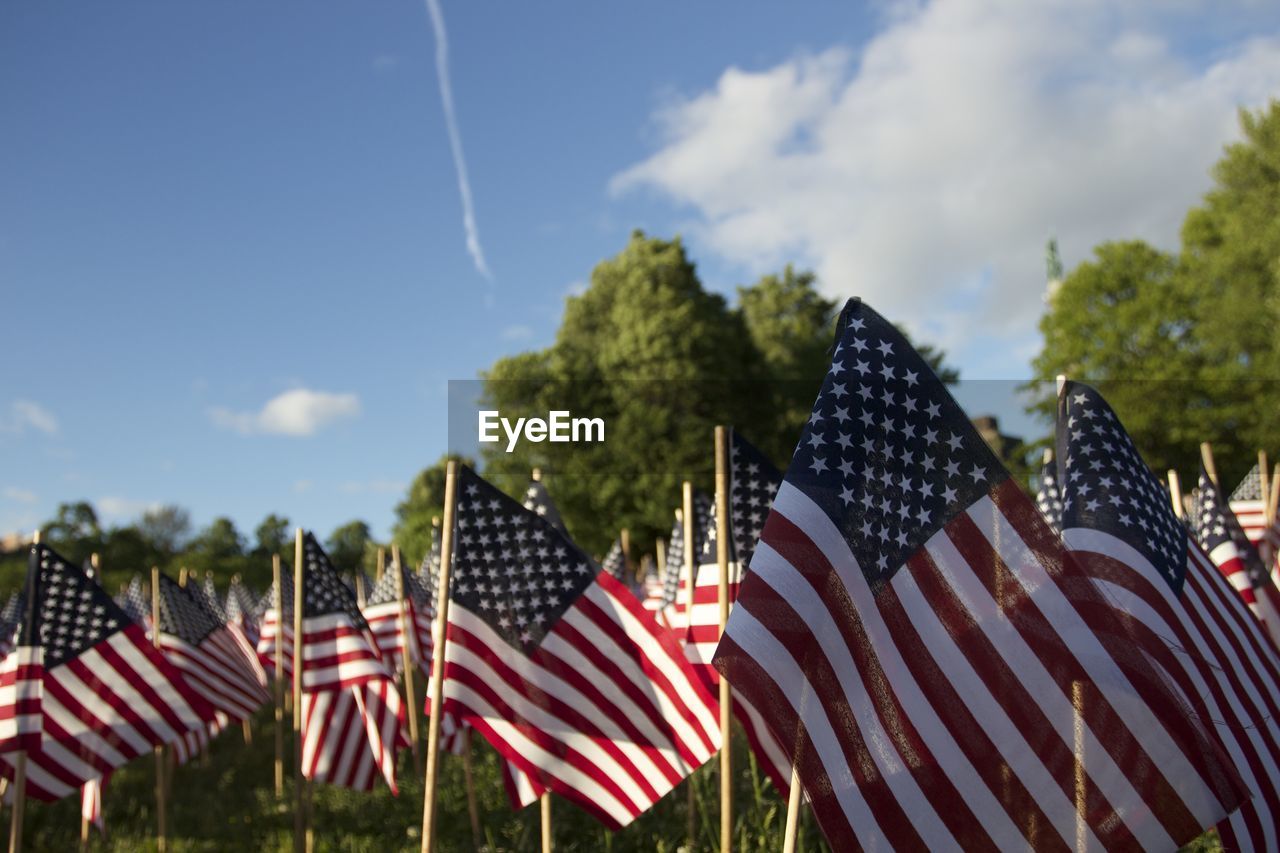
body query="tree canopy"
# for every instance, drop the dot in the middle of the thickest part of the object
(1184, 345)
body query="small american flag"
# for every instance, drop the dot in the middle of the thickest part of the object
(1048, 498)
(1118, 521)
(106, 695)
(675, 592)
(352, 716)
(240, 610)
(209, 591)
(915, 636)
(615, 562)
(558, 665)
(215, 662)
(91, 803)
(1221, 536)
(1247, 504)
(276, 625)
(135, 602)
(382, 611)
(9, 619)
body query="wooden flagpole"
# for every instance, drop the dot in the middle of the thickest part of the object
(377, 568)
(1275, 493)
(627, 566)
(277, 682)
(726, 698)
(545, 803)
(439, 632)
(1175, 493)
(161, 840)
(411, 655)
(686, 519)
(20, 764)
(660, 556)
(1206, 456)
(791, 830)
(300, 783)
(1264, 544)
(95, 562)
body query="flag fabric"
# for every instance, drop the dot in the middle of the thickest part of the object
(558, 665)
(383, 613)
(91, 803)
(135, 602)
(10, 616)
(1250, 510)
(217, 663)
(942, 673)
(1118, 520)
(209, 591)
(1222, 538)
(106, 694)
(652, 590)
(21, 679)
(675, 586)
(352, 716)
(240, 610)
(615, 562)
(539, 500)
(1048, 498)
(276, 625)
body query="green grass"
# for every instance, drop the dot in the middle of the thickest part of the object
(225, 801)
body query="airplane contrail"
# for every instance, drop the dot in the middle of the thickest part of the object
(455, 138)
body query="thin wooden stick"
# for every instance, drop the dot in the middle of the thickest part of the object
(473, 807)
(300, 782)
(793, 813)
(1264, 545)
(161, 839)
(410, 635)
(660, 556)
(627, 565)
(544, 802)
(1206, 456)
(86, 827)
(377, 566)
(277, 684)
(1175, 493)
(686, 519)
(436, 690)
(1275, 493)
(726, 698)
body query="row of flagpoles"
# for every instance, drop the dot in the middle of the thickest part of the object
(900, 635)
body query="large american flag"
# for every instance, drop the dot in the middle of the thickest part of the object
(217, 663)
(539, 500)
(276, 625)
(105, 694)
(558, 665)
(1048, 497)
(943, 675)
(1219, 533)
(383, 613)
(352, 716)
(1118, 521)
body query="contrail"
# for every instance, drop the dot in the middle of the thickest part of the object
(455, 138)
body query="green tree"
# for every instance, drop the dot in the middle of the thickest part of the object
(166, 527)
(220, 541)
(1184, 346)
(272, 536)
(347, 545)
(414, 514)
(74, 530)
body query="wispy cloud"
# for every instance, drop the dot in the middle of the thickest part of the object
(455, 138)
(516, 333)
(22, 496)
(24, 415)
(300, 412)
(376, 487)
(112, 507)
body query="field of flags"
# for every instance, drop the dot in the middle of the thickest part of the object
(909, 648)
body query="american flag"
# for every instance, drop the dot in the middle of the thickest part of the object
(135, 602)
(915, 636)
(675, 594)
(382, 611)
(539, 500)
(1048, 498)
(209, 591)
(557, 664)
(240, 609)
(273, 625)
(615, 562)
(91, 803)
(1219, 533)
(219, 665)
(106, 695)
(9, 618)
(1247, 504)
(651, 589)
(1118, 521)
(352, 716)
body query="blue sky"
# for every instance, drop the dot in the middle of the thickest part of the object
(209, 206)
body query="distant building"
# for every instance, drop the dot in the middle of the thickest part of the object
(11, 543)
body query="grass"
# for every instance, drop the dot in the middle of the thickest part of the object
(225, 801)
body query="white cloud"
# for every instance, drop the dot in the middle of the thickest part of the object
(22, 496)
(516, 333)
(24, 415)
(113, 507)
(377, 487)
(299, 412)
(926, 173)
(301, 486)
